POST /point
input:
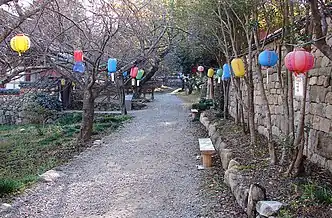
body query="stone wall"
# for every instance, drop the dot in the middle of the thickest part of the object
(10, 112)
(318, 146)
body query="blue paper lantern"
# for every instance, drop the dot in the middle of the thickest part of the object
(79, 67)
(111, 65)
(125, 74)
(268, 58)
(226, 72)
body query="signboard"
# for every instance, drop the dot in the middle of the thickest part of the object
(299, 86)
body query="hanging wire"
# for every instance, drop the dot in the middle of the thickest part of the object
(305, 43)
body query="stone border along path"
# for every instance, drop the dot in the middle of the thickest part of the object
(145, 169)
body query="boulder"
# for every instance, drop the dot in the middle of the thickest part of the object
(49, 176)
(256, 193)
(268, 208)
(233, 163)
(226, 156)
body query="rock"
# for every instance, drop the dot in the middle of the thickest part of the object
(5, 206)
(268, 208)
(233, 163)
(212, 129)
(97, 142)
(226, 156)
(49, 176)
(217, 143)
(256, 193)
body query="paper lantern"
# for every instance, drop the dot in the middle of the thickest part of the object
(79, 67)
(111, 65)
(193, 69)
(210, 72)
(78, 56)
(140, 74)
(226, 72)
(125, 74)
(200, 68)
(268, 58)
(133, 72)
(20, 43)
(219, 73)
(299, 61)
(238, 67)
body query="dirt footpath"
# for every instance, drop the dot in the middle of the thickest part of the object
(145, 169)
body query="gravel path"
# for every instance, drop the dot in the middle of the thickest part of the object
(145, 169)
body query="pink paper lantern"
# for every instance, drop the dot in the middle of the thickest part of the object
(200, 68)
(299, 61)
(133, 72)
(78, 56)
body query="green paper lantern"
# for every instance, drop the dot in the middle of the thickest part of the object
(140, 74)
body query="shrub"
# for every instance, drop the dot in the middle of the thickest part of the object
(8, 186)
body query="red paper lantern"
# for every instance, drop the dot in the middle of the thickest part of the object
(78, 56)
(299, 61)
(133, 72)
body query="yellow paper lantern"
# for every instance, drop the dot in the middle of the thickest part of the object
(20, 43)
(238, 67)
(210, 72)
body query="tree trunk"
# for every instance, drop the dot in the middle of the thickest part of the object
(87, 116)
(226, 84)
(268, 115)
(121, 93)
(298, 142)
(251, 114)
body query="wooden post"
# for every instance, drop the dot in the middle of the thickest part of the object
(207, 159)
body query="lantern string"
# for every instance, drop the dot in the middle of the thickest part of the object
(306, 43)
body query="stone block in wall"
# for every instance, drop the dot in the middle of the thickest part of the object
(321, 123)
(325, 124)
(273, 91)
(313, 80)
(316, 109)
(328, 111)
(277, 85)
(279, 109)
(258, 100)
(328, 98)
(325, 62)
(318, 159)
(323, 81)
(316, 122)
(320, 144)
(317, 94)
(325, 71)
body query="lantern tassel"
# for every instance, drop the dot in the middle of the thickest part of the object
(133, 82)
(219, 79)
(137, 82)
(112, 77)
(267, 76)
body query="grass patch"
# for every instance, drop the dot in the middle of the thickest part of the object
(25, 154)
(315, 193)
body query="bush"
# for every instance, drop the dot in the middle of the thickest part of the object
(203, 104)
(70, 118)
(8, 186)
(39, 107)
